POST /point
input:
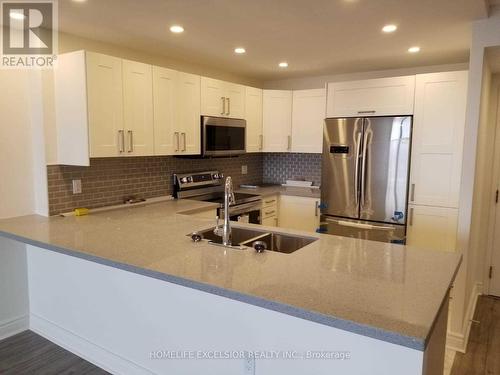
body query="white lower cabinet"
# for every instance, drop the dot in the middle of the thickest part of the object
(432, 228)
(270, 211)
(299, 213)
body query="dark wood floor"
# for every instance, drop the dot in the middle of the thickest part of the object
(30, 354)
(483, 351)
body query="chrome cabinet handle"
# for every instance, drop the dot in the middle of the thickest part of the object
(271, 201)
(228, 106)
(316, 209)
(261, 142)
(223, 105)
(410, 219)
(270, 212)
(366, 112)
(412, 193)
(121, 140)
(184, 141)
(130, 141)
(176, 135)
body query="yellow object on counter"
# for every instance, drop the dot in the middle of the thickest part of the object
(81, 211)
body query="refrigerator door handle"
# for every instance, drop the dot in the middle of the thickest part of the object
(360, 225)
(356, 168)
(363, 168)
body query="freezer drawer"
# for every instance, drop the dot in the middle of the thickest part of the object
(382, 232)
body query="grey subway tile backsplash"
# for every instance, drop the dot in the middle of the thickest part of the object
(279, 167)
(108, 181)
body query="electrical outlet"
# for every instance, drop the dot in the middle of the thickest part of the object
(249, 367)
(77, 186)
(244, 169)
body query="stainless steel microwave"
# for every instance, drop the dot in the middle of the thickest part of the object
(223, 136)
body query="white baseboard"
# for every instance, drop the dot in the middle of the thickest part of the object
(13, 326)
(458, 341)
(83, 348)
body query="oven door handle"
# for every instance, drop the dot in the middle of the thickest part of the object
(243, 208)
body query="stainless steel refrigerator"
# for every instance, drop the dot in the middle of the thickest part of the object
(365, 171)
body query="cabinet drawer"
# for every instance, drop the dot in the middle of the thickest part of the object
(269, 211)
(270, 201)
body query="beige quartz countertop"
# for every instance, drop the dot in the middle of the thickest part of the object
(388, 292)
(283, 190)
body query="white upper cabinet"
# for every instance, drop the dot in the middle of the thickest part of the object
(222, 99)
(105, 105)
(165, 83)
(277, 120)
(438, 136)
(373, 97)
(308, 115)
(138, 108)
(187, 134)
(253, 105)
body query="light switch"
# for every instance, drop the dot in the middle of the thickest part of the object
(77, 186)
(244, 169)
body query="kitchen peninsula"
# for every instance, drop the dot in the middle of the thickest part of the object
(118, 286)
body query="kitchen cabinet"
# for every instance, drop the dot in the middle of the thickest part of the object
(277, 120)
(432, 228)
(101, 87)
(222, 99)
(253, 113)
(270, 211)
(301, 213)
(165, 82)
(308, 116)
(438, 136)
(138, 108)
(188, 137)
(108, 107)
(373, 97)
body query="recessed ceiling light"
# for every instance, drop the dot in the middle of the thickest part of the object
(239, 50)
(389, 28)
(283, 64)
(414, 49)
(17, 14)
(177, 29)
(79, 1)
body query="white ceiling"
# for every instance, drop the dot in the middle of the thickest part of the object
(314, 36)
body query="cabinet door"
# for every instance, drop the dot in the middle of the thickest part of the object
(164, 92)
(105, 105)
(299, 213)
(253, 114)
(308, 116)
(188, 114)
(213, 98)
(235, 100)
(432, 228)
(373, 97)
(438, 135)
(277, 120)
(138, 108)
(271, 221)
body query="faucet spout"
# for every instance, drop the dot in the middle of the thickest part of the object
(228, 200)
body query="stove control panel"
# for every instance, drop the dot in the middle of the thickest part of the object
(200, 179)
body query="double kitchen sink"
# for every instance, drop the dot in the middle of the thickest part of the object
(244, 238)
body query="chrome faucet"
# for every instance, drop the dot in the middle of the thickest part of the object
(225, 231)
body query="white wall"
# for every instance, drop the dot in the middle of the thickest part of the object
(485, 33)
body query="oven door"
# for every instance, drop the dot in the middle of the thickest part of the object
(223, 136)
(244, 213)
